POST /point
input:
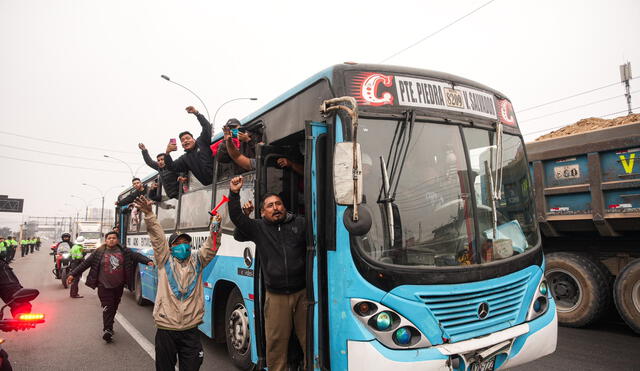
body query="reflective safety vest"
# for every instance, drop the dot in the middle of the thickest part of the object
(14, 242)
(3, 246)
(23, 242)
(76, 252)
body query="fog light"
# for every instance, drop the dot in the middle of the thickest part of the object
(544, 288)
(365, 308)
(383, 321)
(540, 304)
(402, 336)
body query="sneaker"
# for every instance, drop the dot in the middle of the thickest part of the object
(107, 336)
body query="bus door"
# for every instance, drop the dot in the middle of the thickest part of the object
(316, 191)
(269, 179)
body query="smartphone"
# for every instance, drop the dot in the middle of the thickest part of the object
(234, 133)
(172, 140)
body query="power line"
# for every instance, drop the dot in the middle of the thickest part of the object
(570, 96)
(576, 107)
(60, 165)
(58, 154)
(437, 32)
(63, 143)
(561, 126)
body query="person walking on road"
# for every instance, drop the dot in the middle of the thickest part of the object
(280, 244)
(77, 255)
(179, 305)
(112, 268)
(32, 244)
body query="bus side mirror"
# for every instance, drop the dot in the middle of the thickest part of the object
(345, 180)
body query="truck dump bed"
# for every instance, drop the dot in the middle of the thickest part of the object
(588, 182)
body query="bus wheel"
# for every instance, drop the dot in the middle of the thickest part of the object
(140, 300)
(626, 293)
(237, 330)
(578, 286)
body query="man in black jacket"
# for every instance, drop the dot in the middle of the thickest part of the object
(281, 247)
(139, 189)
(168, 178)
(112, 268)
(198, 157)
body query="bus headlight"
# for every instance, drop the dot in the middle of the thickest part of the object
(389, 327)
(540, 302)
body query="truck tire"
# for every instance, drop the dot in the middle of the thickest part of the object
(238, 333)
(579, 287)
(626, 294)
(137, 293)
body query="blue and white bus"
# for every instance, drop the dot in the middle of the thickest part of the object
(423, 249)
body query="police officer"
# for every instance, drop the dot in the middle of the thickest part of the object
(11, 248)
(61, 247)
(77, 255)
(24, 248)
(3, 249)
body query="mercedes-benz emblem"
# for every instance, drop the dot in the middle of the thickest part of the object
(483, 310)
(248, 257)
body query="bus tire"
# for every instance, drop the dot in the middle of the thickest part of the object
(237, 331)
(137, 293)
(579, 287)
(626, 294)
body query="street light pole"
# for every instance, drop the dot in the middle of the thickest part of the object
(86, 204)
(129, 167)
(222, 105)
(103, 194)
(190, 91)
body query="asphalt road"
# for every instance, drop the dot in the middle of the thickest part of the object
(71, 338)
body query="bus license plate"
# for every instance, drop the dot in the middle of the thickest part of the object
(453, 98)
(486, 365)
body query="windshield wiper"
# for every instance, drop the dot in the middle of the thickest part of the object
(396, 158)
(496, 182)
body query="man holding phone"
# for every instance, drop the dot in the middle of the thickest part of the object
(198, 157)
(168, 179)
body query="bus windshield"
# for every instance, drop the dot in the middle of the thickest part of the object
(426, 214)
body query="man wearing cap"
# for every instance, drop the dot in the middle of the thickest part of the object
(198, 157)
(77, 254)
(179, 305)
(112, 268)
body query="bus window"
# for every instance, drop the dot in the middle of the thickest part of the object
(167, 211)
(246, 194)
(194, 207)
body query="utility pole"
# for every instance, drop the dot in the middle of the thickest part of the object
(625, 76)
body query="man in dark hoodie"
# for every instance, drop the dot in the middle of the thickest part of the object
(280, 244)
(168, 178)
(112, 268)
(198, 157)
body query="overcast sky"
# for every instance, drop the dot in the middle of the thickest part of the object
(87, 73)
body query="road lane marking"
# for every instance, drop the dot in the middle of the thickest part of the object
(137, 336)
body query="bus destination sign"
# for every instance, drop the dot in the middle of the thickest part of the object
(376, 89)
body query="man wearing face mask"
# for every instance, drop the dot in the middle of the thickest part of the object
(179, 305)
(280, 244)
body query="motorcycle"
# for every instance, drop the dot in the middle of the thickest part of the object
(21, 320)
(63, 267)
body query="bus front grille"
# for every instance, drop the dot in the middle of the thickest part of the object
(459, 314)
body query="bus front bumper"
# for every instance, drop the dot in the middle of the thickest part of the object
(528, 341)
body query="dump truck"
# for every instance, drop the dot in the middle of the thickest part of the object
(587, 193)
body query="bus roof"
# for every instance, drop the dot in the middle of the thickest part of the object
(338, 78)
